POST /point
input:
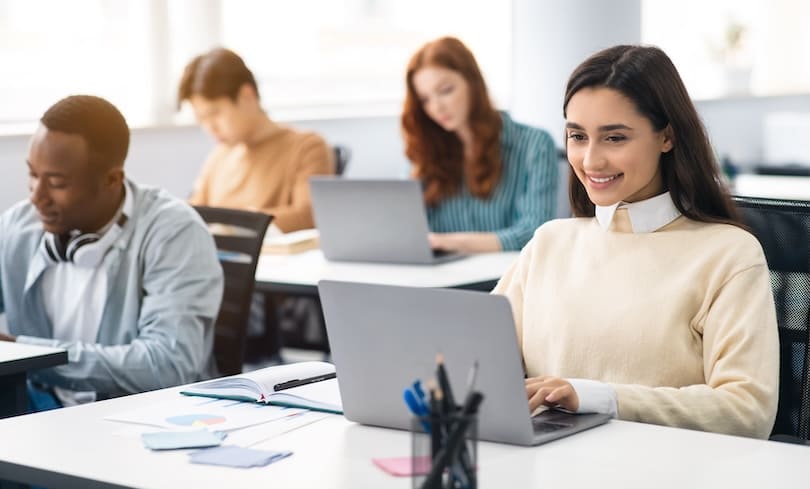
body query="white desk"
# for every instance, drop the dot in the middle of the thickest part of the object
(772, 186)
(16, 359)
(300, 273)
(75, 447)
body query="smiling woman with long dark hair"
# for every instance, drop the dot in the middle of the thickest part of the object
(652, 304)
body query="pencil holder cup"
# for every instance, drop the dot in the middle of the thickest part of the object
(444, 451)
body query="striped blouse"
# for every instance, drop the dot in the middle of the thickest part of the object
(523, 199)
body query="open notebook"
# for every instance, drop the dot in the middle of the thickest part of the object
(308, 385)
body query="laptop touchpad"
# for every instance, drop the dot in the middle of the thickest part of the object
(541, 425)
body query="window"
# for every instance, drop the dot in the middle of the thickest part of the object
(50, 49)
(332, 53)
(733, 47)
(338, 56)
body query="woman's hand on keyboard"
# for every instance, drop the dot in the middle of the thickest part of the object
(551, 391)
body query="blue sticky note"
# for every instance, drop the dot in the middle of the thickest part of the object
(170, 440)
(233, 456)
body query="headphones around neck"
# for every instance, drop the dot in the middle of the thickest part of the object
(88, 249)
(83, 250)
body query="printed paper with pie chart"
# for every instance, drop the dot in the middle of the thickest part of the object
(194, 413)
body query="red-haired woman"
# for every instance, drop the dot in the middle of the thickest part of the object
(488, 181)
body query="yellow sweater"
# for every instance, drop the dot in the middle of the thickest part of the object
(271, 176)
(680, 321)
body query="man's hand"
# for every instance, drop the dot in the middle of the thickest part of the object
(5, 337)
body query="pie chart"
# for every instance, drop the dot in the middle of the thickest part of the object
(196, 420)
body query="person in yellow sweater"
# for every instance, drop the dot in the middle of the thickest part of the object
(257, 165)
(652, 304)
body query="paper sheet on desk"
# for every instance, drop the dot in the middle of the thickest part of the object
(231, 456)
(193, 413)
(255, 435)
(248, 436)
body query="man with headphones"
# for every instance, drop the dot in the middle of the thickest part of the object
(125, 277)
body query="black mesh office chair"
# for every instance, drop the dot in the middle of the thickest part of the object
(783, 229)
(238, 236)
(296, 321)
(342, 156)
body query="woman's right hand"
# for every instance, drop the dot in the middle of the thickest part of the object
(551, 391)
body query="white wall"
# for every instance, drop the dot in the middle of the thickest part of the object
(550, 39)
(171, 157)
(736, 125)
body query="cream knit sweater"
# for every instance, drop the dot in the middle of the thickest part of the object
(679, 321)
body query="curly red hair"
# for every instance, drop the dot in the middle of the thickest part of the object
(437, 155)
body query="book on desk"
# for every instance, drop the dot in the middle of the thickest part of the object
(289, 243)
(308, 385)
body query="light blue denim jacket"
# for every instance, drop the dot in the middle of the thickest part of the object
(164, 289)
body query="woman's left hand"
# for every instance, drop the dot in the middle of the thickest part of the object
(464, 242)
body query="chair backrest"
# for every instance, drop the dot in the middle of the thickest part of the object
(783, 229)
(563, 203)
(238, 236)
(342, 156)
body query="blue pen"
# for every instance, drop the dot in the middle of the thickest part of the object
(417, 388)
(416, 407)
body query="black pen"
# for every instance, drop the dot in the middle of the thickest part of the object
(444, 383)
(299, 382)
(436, 426)
(454, 443)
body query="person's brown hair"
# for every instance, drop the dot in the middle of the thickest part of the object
(647, 77)
(217, 73)
(438, 155)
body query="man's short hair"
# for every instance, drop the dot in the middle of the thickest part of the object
(98, 122)
(217, 73)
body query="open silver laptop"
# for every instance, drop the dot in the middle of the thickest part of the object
(373, 221)
(384, 337)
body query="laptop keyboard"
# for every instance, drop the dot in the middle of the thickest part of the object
(542, 426)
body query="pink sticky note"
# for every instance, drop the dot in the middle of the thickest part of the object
(404, 466)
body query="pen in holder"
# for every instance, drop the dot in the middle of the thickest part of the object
(444, 450)
(444, 435)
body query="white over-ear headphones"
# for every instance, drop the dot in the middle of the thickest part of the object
(85, 250)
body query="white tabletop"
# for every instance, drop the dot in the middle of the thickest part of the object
(11, 351)
(772, 186)
(309, 267)
(19, 357)
(334, 453)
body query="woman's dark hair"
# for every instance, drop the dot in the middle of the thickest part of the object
(98, 122)
(217, 73)
(437, 155)
(647, 77)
